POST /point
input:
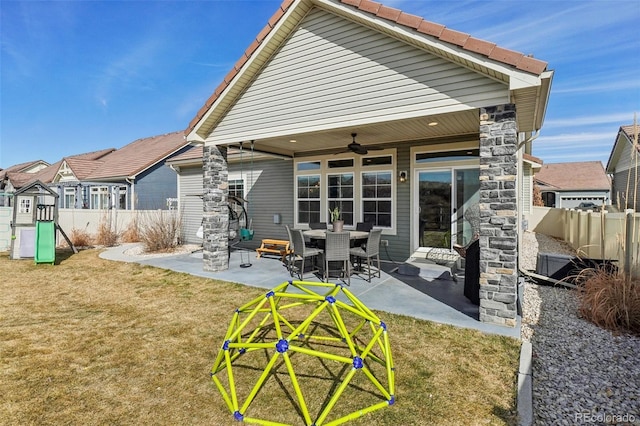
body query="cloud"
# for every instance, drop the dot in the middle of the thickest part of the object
(129, 71)
(616, 118)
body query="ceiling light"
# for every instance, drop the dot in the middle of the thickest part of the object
(433, 123)
(293, 141)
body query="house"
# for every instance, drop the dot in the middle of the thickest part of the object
(14, 177)
(397, 120)
(133, 177)
(566, 185)
(623, 166)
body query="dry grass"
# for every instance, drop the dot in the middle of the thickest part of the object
(81, 238)
(131, 234)
(105, 236)
(89, 341)
(610, 300)
(160, 230)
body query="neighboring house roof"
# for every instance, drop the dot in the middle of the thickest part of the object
(25, 167)
(587, 175)
(626, 135)
(82, 168)
(440, 41)
(138, 156)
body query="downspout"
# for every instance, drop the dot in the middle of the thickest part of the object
(133, 192)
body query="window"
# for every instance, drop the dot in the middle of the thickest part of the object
(377, 198)
(361, 186)
(340, 194)
(236, 188)
(69, 197)
(99, 197)
(430, 157)
(309, 165)
(121, 196)
(25, 205)
(377, 161)
(308, 188)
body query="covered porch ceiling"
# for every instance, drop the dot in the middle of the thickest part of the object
(464, 124)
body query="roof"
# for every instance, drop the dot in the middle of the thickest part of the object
(587, 175)
(630, 130)
(138, 156)
(626, 135)
(511, 58)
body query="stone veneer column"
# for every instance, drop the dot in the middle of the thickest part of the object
(216, 213)
(498, 215)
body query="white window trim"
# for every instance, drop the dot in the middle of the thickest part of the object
(416, 167)
(324, 171)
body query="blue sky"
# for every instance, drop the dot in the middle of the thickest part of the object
(80, 76)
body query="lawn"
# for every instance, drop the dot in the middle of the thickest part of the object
(91, 341)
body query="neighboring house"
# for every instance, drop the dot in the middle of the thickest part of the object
(441, 122)
(134, 177)
(623, 165)
(566, 185)
(14, 177)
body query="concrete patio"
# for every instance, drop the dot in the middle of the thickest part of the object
(431, 295)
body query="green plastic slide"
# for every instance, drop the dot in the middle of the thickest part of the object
(45, 242)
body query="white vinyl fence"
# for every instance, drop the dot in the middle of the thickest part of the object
(609, 236)
(85, 220)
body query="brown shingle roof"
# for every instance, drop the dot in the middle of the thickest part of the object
(490, 50)
(195, 152)
(630, 130)
(574, 176)
(81, 167)
(138, 156)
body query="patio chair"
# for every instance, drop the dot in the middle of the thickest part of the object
(315, 243)
(317, 225)
(337, 249)
(372, 250)
(365, 227)
(302, 252)
(289, 256)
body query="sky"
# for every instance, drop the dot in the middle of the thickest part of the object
(81, 76)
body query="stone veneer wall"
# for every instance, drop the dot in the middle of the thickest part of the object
(498, 215)
(216, 213)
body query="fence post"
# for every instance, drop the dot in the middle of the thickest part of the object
(628, 242)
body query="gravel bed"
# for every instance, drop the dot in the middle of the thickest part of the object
(581, 373)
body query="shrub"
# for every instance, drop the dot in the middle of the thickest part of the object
(132, 233)
(80, 238)
(160, 230)
(610, 299)
(105, 235)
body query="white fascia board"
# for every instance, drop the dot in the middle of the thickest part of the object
(517, 79)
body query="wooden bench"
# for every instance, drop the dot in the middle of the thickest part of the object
(280, 247)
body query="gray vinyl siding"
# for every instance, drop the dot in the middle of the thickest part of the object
(270, 192)
(332, 71)
(399, 248)
(619, 195)
(191, 206)
(154, 186)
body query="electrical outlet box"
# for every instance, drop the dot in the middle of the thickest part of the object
(384, 243)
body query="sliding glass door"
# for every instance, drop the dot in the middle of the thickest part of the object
(448, 206)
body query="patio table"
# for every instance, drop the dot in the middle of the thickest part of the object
(321, 234)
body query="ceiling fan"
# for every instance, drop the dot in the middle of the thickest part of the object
(357, 148)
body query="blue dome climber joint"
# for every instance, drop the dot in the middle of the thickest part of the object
(357, 362)
(282, 346)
